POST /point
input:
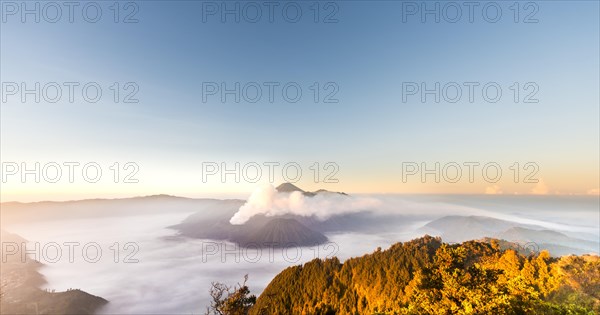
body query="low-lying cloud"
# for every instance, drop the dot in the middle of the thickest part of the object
(266, 200)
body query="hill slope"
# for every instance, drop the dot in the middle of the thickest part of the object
(464, 228)
(426, 276)
(21, 293)
(558, 244)
(282, 232)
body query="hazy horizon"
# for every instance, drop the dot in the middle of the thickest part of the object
(244, 195)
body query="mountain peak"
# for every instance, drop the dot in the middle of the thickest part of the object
(288, 187)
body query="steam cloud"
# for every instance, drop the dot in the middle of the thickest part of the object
(268, 201)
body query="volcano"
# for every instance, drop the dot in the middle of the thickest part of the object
(281, 232)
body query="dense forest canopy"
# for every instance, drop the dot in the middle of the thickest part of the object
(427, 276)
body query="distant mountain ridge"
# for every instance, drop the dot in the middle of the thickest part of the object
(289, 187)
(558, 244)
(19, 212)
(464, 228)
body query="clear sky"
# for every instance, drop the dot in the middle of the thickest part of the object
(367, 57)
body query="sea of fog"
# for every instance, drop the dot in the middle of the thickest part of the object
(155, 272)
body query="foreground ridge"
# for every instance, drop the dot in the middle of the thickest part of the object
(427, 276)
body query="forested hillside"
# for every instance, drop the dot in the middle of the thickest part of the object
(426, 276)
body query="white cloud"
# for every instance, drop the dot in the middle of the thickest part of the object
(268, 201)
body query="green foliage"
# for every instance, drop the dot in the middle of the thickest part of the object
(425, 276)
(365, 285)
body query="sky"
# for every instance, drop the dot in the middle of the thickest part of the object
(365, 130)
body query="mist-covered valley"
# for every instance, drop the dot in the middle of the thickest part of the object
(159, 254)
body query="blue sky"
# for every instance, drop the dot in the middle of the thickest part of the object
(369, 132)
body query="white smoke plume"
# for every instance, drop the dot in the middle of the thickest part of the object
(268, 201)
